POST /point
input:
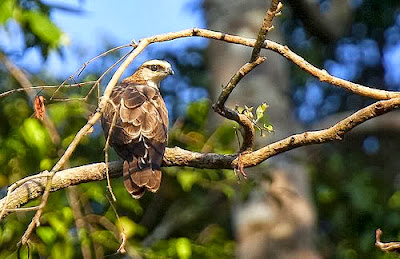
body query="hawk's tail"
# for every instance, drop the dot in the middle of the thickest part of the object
(138, 180)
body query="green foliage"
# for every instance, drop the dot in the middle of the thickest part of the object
(353, 200)
(197, 113)
(260, 111)
(352, 194)
(187, 178)
(35, 136)
(42, 27)
(194, 195)
(211, 243)
(130, 227)
(183, 248)
(6, 10)
(258, 117)
(47, 234)
(33, 17)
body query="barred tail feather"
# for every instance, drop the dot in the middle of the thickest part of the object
(136, 191)
(137, 180)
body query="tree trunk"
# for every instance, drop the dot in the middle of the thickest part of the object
(277, 220)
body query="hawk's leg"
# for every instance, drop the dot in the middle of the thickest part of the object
(107, 147)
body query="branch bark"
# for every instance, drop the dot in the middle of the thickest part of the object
(219, 106)
(176, 156)
(180, 157)
(386, 246)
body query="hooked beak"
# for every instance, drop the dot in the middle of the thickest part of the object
(170, 72)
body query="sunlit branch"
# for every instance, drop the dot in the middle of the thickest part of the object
(179, 157)
(32, 187)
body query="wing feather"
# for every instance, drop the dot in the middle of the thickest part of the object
(139, 135)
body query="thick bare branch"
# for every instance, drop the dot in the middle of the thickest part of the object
(227, 161)
(334, 133)
(179, 157)
(322, 75)
(255, 60)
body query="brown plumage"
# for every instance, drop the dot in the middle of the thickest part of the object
(140, 132)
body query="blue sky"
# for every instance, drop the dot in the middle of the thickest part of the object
(117, 22)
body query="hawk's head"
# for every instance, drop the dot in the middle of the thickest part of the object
(154, 71)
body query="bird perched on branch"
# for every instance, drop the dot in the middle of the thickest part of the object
(139, 135)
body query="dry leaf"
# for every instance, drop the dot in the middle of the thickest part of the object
(39, 107)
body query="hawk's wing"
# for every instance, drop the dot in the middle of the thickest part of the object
(141, 111)
(139, 135)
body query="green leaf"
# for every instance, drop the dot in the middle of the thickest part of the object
(248, 111)
(62, 250)
(240, 109)
(183, 248)
(35, 135)
(197, 111)
(187, 179)
(130, 227)
(261, 110)
(68, 214)
(43, 28)
(58, 224)
(394, 201)
(46, 164)
(269, 127)
(47, 234)
(6, 10)
(229, 191)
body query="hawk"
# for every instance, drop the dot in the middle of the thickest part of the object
(139, 135)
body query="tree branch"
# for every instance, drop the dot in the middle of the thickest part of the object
(386, 246)
(41, 87)
(219, 106)
(35, 185)
(266, 26)
(321, 74)
(255, 60)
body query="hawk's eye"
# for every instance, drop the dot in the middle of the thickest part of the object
(153, 68)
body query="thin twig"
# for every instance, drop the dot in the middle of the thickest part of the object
(219, 106)
(106, 149)
(260, 155)
(84, 65)
(386, 246)
(266, 26)
(180, 157)
(41, 87)
(242, 72)
(255, 60)
(121, 231)
(98, 81)
(321, 74)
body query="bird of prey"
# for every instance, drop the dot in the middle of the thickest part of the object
(139, 135)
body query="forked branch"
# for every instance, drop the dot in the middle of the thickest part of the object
(181, 157)
(33, 187)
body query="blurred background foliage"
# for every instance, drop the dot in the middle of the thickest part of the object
(355, 183)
